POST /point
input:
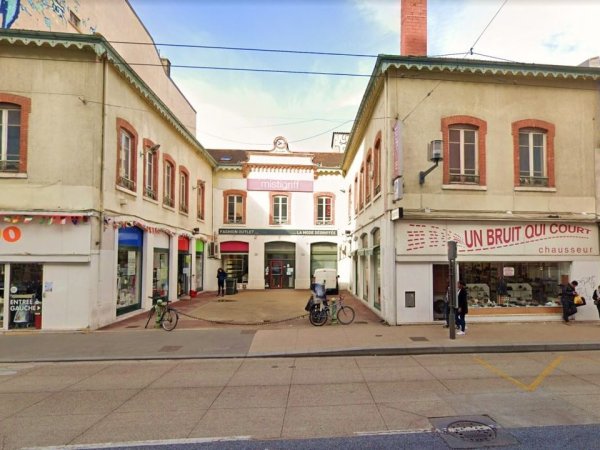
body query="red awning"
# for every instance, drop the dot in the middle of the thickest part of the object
(183, 244)
(234, 247)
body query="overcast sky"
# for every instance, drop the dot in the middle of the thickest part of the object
(247, 110)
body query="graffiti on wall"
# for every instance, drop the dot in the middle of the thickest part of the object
(9, 9)
(53, 13)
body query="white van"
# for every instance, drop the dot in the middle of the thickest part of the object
(329, 278)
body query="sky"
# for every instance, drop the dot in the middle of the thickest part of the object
(242, 109)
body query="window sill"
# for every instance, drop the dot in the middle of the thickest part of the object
(170, 208)
(464, 187)
(151, 200)
(13, 175)
(534, 189)
(125, 190)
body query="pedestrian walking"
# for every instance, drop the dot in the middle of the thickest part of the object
(567, 297)
(596, 297)
(463, 307)
(221, 277)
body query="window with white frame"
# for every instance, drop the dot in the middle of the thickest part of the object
(279, 207)
(532, 157)
(235, 208)
(462, 147)
(169, 185)
(324, 213)
(10, 137)
(183, 191)
(126, 161)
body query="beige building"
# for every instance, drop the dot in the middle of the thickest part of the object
(105, 193)
(499, 157)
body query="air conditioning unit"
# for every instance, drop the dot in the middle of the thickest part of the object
(213, 250)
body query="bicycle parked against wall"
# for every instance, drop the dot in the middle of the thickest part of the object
(319, 310)
(166, 317)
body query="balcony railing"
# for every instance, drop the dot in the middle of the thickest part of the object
(168, 201)
(324, 221)
(183, 207)
(533, 181)
(150, 193)
(127, 183)
(458, 178)
(9, 165)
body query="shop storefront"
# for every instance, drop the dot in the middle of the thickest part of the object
(509, 269)
(160, 265)
(234, 257)
(184, 266)
(280, 263)
(129, 269)
(199, 279)
(323, 255)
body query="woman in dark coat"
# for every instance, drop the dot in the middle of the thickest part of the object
(463, 307)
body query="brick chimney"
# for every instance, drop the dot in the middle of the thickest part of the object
(413, 28)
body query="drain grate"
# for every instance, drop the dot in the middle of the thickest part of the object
(418, 339)
(472, 432)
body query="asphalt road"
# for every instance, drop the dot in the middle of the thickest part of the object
(517, 400)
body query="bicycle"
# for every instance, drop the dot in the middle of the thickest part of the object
(320, 312)
(166, 316)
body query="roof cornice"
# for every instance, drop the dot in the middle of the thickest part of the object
(100, 46)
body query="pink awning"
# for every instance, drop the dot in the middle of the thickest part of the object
(234, 247)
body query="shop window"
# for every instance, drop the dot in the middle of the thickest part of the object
(169, 182)
(235, 207)
(533, 153)
(324, 212)
(14, 123)
(129, 269)
(280, 209)
(464, 150)
(25, 296)
(126, 155)
(160, 272)
(184, 189)
(150, 171)
(513, 284)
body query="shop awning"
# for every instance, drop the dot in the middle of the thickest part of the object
(234, 247)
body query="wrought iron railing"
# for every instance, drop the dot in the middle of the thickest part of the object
(150, 193)
(461, 178)
(533, 181)
(9, 165)
(168, 201)
(127, 183)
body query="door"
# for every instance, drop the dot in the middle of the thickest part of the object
(25, 295)
(276, 271)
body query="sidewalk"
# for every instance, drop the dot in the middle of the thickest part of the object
(266, 332)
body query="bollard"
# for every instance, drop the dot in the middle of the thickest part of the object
(333, 311)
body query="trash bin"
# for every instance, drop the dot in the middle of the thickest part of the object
(231, 286)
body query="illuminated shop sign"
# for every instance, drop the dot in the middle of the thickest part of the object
(548, 239)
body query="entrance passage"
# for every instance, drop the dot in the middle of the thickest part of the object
(280, 260)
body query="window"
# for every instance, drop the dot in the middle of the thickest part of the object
(126, 158)
(368, 177)
(14, 121)
(279, 209)
(184, 189)
(74, 20)
(323, 208)
(169, 181)
(349, 203)
(361, 187)
(464, 149)
(376, 166)
(533, 153)
(356, 194)
(150, 171)
(200, 205)
(235, 207)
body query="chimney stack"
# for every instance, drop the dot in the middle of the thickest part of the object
(413, 28)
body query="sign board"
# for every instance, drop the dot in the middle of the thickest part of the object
(279, 185)
(268, 231)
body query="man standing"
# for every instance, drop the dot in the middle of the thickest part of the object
(566, 300)
(463, 307)
(221, 277)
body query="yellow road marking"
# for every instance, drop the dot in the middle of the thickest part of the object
(534, 385)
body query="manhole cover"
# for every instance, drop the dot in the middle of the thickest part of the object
(471, 431)
(419, 339)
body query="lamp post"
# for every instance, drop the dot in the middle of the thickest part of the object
(452, 303)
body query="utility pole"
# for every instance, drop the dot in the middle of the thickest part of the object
(452, 300)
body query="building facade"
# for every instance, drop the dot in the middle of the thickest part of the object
(104, 189)
(499, 157)
(277, 216)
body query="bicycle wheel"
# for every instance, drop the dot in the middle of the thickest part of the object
(169, 319)
(345, 315)
(317, 317)
(150, 314)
